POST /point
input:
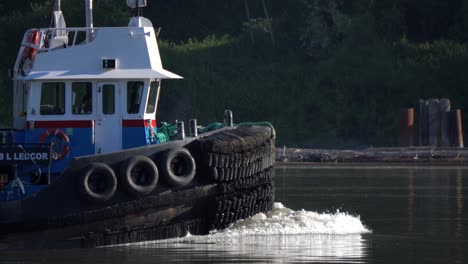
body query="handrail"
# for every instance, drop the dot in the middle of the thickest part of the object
(70, 38)
(50, 33)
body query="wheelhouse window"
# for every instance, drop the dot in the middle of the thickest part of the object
(108, 99)
(52, 98)
(134, 94)
(82, 98)
(153, 97)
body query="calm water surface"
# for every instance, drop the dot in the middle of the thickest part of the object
(375, 214)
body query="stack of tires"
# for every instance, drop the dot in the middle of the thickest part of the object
(240, 160)
(138, 176)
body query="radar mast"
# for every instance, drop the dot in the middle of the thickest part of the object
(137, 6)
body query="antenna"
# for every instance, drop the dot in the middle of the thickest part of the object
(136, 5)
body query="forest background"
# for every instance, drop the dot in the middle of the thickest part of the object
(325, 73)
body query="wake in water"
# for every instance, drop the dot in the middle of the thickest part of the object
(278, 236)
(284, 221)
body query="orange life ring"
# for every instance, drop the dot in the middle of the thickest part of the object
(33, 40)
(54, 132)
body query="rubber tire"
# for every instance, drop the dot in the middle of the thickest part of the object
(106, 175)
(128, 181)
(177, 167)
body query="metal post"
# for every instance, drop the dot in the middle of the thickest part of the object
(89, 19)
(180, 130)
(228, 120)
(193, 128)
(58, 5)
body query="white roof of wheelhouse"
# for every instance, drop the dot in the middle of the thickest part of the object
(134, 49)
(111, 74)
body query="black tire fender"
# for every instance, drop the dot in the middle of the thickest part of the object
(98, 183)
(139, 175)
(177, 167)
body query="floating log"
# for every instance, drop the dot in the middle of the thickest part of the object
(409, 155)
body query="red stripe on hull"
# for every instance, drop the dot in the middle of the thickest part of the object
(62, 124)
(86, 124)
(137, 123)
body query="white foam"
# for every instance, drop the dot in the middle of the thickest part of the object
(284, 221)
(282, 235)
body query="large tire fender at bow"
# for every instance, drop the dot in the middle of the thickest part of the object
(177, 167)
(139, 175)
(237, 140)
(98, 183)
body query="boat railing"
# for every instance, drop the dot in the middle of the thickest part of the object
(73, 37)
(50, 39)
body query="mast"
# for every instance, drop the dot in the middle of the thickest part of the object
(136, 5)
(138, 20)
(89, 19)
(58, 5)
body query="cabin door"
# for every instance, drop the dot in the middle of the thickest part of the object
(108, 131)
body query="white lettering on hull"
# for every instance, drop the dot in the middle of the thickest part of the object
(24, 156)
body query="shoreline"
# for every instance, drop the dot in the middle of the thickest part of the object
(383, 155)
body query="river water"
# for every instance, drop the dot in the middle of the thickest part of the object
(334, 214)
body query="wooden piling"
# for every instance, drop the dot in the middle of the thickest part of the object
(405, 127)
(444, 105)
(434, 122)
(423, 123)
(456, 130)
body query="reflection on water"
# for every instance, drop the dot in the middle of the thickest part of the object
(415, 212)
(459, 203)
(411, 198)
(265, 248)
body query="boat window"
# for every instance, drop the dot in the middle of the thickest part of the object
(153, 97)
(134, 93)
(52, 98)
(108, 99)
(82, 98)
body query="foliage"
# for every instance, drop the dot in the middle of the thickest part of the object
(258, 26)
(325, 27)
(431, 54)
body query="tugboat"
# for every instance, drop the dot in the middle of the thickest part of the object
(85, 164)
